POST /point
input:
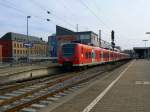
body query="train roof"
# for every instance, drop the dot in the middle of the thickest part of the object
(105, 50)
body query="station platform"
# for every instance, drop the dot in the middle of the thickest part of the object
(17, 73)
(9, 70)
(126, 89)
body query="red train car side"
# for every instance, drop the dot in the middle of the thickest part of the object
(75, 54)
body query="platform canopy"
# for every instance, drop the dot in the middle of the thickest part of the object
(142, 52)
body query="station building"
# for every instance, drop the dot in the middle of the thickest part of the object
(64, 35)
(85, 37)
(52, 46)
(88, 37)
(14, 46)
(142, 52)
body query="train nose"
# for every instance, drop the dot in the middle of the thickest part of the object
(67, 59)
(67, 62)
(70, 59)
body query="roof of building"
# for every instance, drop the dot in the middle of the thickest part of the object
(21, 37)
(64, 31)
(141, 48)
(86, 32)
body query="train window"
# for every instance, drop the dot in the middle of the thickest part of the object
(68, 50)
(93, 55)
(100, 55)
(106, 55)
(96, 55)
(87, 55)
(82, 49)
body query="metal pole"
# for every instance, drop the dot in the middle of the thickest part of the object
(145, 49)
(148, 53)
(148, 47)
(27, 41)
(28, 55)
(100, 38)
(77, 28)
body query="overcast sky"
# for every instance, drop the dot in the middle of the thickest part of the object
(129, 18)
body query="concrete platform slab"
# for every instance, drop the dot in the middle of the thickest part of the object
(130, 93)
(14, 74)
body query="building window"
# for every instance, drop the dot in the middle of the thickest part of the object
(20, 51)
(20, 45)
(17, 51)
(15, 45)
(14, 51)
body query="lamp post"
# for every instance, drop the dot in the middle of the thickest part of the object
(28, 39)
(28, 55)
(148, 47)
(145, 47)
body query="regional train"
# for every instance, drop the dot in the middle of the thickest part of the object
(80, 55)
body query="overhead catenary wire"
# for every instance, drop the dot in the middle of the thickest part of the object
(44, 9)
(68, 8)
(21, 13)
(11, 7)
(108, 21)
(97, 17)
(100, 22)
(51, 12)
(94, 14)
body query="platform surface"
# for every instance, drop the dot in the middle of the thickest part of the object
(21, 68)
(126, 89)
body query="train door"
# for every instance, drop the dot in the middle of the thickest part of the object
(109, 56)
(102, 55)
(93, 56)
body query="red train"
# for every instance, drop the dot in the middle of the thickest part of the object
(76, 54)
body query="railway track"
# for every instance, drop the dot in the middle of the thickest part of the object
(30, 98)
(18, 85)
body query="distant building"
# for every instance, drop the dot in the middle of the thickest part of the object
(6, 50)
(130, 52)
(142, 52)
(88, 37)
(52, 46)
(64, 35)
(14, 46)
(105, 45)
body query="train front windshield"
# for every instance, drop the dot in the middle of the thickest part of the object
(68, 50)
